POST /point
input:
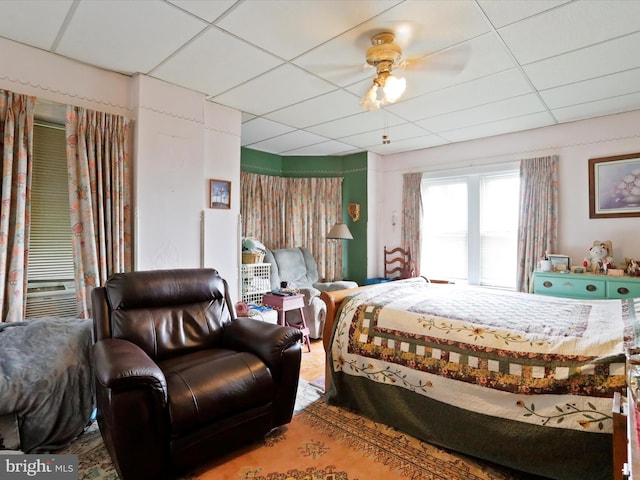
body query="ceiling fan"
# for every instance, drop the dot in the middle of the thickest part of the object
(383, 54)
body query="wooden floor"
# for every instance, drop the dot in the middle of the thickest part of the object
(312, 367)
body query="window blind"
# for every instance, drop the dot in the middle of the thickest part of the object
(50, 250)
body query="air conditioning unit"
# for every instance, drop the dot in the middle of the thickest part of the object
(51, 299)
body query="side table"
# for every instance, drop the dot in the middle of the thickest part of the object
(285, 303)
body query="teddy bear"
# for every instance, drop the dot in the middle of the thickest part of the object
(599, 260)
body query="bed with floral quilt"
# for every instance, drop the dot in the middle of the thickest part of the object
(522, 380)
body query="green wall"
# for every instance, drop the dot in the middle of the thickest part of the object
(353, 170)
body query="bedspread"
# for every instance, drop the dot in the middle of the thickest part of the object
(539, 360)
(46, 380)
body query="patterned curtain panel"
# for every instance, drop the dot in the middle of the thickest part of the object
(538, 218)
(100, 197)
(16, 140)
(294, 212)
(412, 216)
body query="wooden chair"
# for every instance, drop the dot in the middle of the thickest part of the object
(397, 263)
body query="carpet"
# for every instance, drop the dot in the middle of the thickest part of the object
(322, 442)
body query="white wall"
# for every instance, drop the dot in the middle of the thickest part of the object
(574, 142)
(180, 140)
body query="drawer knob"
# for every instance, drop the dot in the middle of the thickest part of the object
(623, 291)
(547, 284)
(591, 288)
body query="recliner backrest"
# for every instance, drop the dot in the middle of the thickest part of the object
(293, 265)
(168, 312)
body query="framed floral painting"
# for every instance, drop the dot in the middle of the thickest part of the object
(614, 186)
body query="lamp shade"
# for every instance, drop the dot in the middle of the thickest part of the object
(340, 232)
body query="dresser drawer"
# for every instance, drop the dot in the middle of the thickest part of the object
(569, 286)
(622, 289)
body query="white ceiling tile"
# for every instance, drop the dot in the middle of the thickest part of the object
(276, 89)
(331, 147)
(609, 106)
(215, 62)
(408, 145)
(459, 97)
(572, 26)
(208, 11)
(595, 89)
(320, 109)
(36, 22)
(491, 112)
(526, 122)
(395, 133)
(289, 141)
(139, 44)
(295, 26)
(260, 129)
(504, 12)
(362, 122)
(602, 59)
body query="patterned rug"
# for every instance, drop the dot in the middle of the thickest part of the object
(321, 443)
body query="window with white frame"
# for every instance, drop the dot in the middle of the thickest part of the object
(470, 225)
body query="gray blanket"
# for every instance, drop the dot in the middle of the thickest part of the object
(46, 380)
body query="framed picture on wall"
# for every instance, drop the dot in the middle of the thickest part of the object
(614, 186)
(220, 194)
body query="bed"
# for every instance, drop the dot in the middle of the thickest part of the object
(521, 380)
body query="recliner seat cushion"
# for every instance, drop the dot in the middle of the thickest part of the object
(208, 385)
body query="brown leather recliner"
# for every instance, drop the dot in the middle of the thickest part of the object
(179, 379)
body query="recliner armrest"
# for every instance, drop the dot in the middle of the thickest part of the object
(120, 364)
(266, 340)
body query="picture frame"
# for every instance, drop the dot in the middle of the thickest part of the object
(219, 194)
(559, 263)
(614, 186)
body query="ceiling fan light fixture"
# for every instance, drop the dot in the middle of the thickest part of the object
(393, 88)
(370, 100)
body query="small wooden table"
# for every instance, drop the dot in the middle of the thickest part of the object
(285, 303)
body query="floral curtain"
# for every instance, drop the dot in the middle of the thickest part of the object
(16, 140)
(290, 212)
(412, 216)
(100, 197)
(538, 217)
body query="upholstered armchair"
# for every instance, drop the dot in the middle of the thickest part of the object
(298, 268)
(178, 378)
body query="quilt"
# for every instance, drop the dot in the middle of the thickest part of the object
(546, 361)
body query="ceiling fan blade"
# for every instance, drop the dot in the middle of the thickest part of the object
(450, 60)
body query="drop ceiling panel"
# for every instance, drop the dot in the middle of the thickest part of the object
(260, 129)
(395, 133)
(459, 97)
(331, 147)
(609, 106)
(295, 26)
(526, 122)
(208, 11)
(35, 23)
(602, 59)
(276, 89)
(118, 35)
(570, 27)
(599, 88)
(491, 112)
(362, 122)
(289, 141)
(408, 145)
(215, 62)
(320, 109)
(503, 13)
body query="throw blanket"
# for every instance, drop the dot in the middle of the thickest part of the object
(528, 358)
(46, 380)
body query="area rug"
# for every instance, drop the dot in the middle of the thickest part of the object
(322, 442)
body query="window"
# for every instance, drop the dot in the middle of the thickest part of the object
(50, 272)
(470, 226)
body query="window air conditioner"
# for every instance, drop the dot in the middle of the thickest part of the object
(51, 299)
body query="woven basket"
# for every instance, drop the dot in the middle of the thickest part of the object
(248, 257)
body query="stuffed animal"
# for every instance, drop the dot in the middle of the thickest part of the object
(599, 260)
(633, 267)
